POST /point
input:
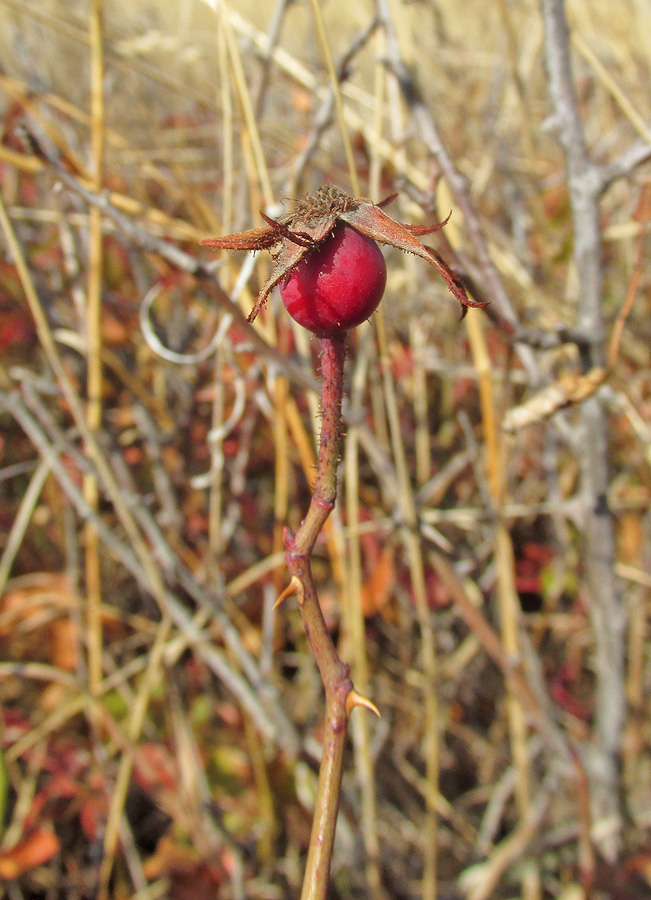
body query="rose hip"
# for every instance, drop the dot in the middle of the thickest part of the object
(338, 285)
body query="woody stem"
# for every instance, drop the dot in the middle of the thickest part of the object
(334, 673)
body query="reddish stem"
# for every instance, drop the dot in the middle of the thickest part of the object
(334, 673)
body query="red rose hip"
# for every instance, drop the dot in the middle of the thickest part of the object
(338, 284)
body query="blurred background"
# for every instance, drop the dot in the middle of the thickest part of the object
(487, 570)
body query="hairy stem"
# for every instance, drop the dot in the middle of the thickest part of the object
(334, 673)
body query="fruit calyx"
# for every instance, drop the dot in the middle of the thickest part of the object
(300, 233)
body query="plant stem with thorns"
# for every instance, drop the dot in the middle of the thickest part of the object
(331, 276)
(341, 698)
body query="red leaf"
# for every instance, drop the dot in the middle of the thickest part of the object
(16, 329)
(376, 590)
(32, 851)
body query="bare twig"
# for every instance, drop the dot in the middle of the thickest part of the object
(325, 113)
(246, 694)
(203, 272)
(607, 615)
(623, 165)
(94, 375)
(501, 309)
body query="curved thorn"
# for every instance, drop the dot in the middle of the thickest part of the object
(294, 587)
(354, 699)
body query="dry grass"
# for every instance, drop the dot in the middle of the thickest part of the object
(156, 713)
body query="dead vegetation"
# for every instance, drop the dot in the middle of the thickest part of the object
(160, 723)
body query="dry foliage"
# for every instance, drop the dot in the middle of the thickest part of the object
(159, 720)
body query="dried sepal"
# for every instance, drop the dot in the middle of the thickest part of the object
(427, 229)
(301, 232)
(255, 239)
(285, 259)
(302, 238)
(454, 283)
(375, 223)
(387, 200)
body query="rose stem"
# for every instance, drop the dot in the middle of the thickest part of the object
(334, 673)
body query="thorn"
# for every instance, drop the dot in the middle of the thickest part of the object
(294, 587)
(354, 699)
